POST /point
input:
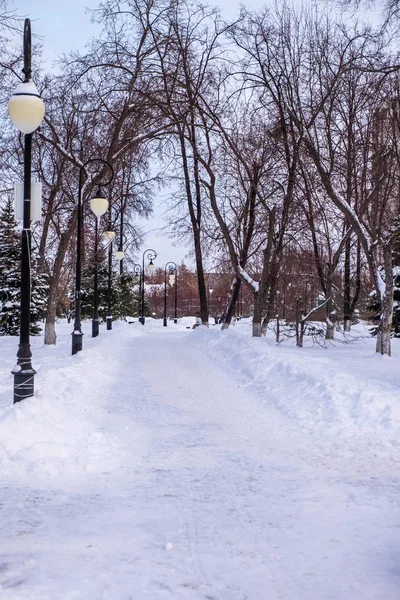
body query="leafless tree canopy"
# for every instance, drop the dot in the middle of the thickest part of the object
(274, 139)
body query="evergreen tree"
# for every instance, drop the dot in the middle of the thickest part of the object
(396, 301)
(87, 290)
(375, 308)
(10, 277)
(127, 301)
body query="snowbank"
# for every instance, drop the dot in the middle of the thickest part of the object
(346, 389)
(61, 431)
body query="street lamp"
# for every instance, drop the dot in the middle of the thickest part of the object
(171, 270)
(95, 319)
(110, 236)
(98, 204)
(137, 269)
(176, 297)
(151, 255)
(120, 254)
(26, 110)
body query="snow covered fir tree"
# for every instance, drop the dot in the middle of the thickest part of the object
(125, 299)
(396, 302)
(10, 277)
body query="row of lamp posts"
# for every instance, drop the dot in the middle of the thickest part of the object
(26, 110)
(169, 268)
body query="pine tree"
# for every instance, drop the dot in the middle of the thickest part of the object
(10, 277)
(39, 293)
(10, 257)
(127, 301)
(396, 301)
(375, 308)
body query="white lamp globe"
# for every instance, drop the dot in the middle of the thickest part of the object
(151, 266)
(98, 204)
(171, 279)
(120, 254)
(109, 235)
(26, 108)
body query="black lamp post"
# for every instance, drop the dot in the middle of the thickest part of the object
(99, 206)
(110, 236)
(120, 254)
(26, 110)
(137, 269)
(151, 255)
(95, 319)
(109, 316)
(171, 268)
(176, 297)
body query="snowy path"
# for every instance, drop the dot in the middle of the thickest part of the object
(207, 493)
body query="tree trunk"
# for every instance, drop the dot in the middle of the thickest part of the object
(195, 219)
(232, 303)
(257, 316)
(347, 313)
(330, 322)
(330, 329)
(383, 343)
(50, 337)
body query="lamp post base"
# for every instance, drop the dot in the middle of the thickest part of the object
(95, 327)
(109, 322)
(165, 322)
(175, 320)
(76, 341)
(24, 383)
(142, 320)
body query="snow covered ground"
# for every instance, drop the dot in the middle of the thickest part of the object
(200, 465)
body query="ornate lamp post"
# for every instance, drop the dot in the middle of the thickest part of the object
(99, 205)
(120, 254)
(176, 297)
(110, 236)
(95, 319)
(171, 267)
(26, 110)
(137, 269)
(151, 255)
